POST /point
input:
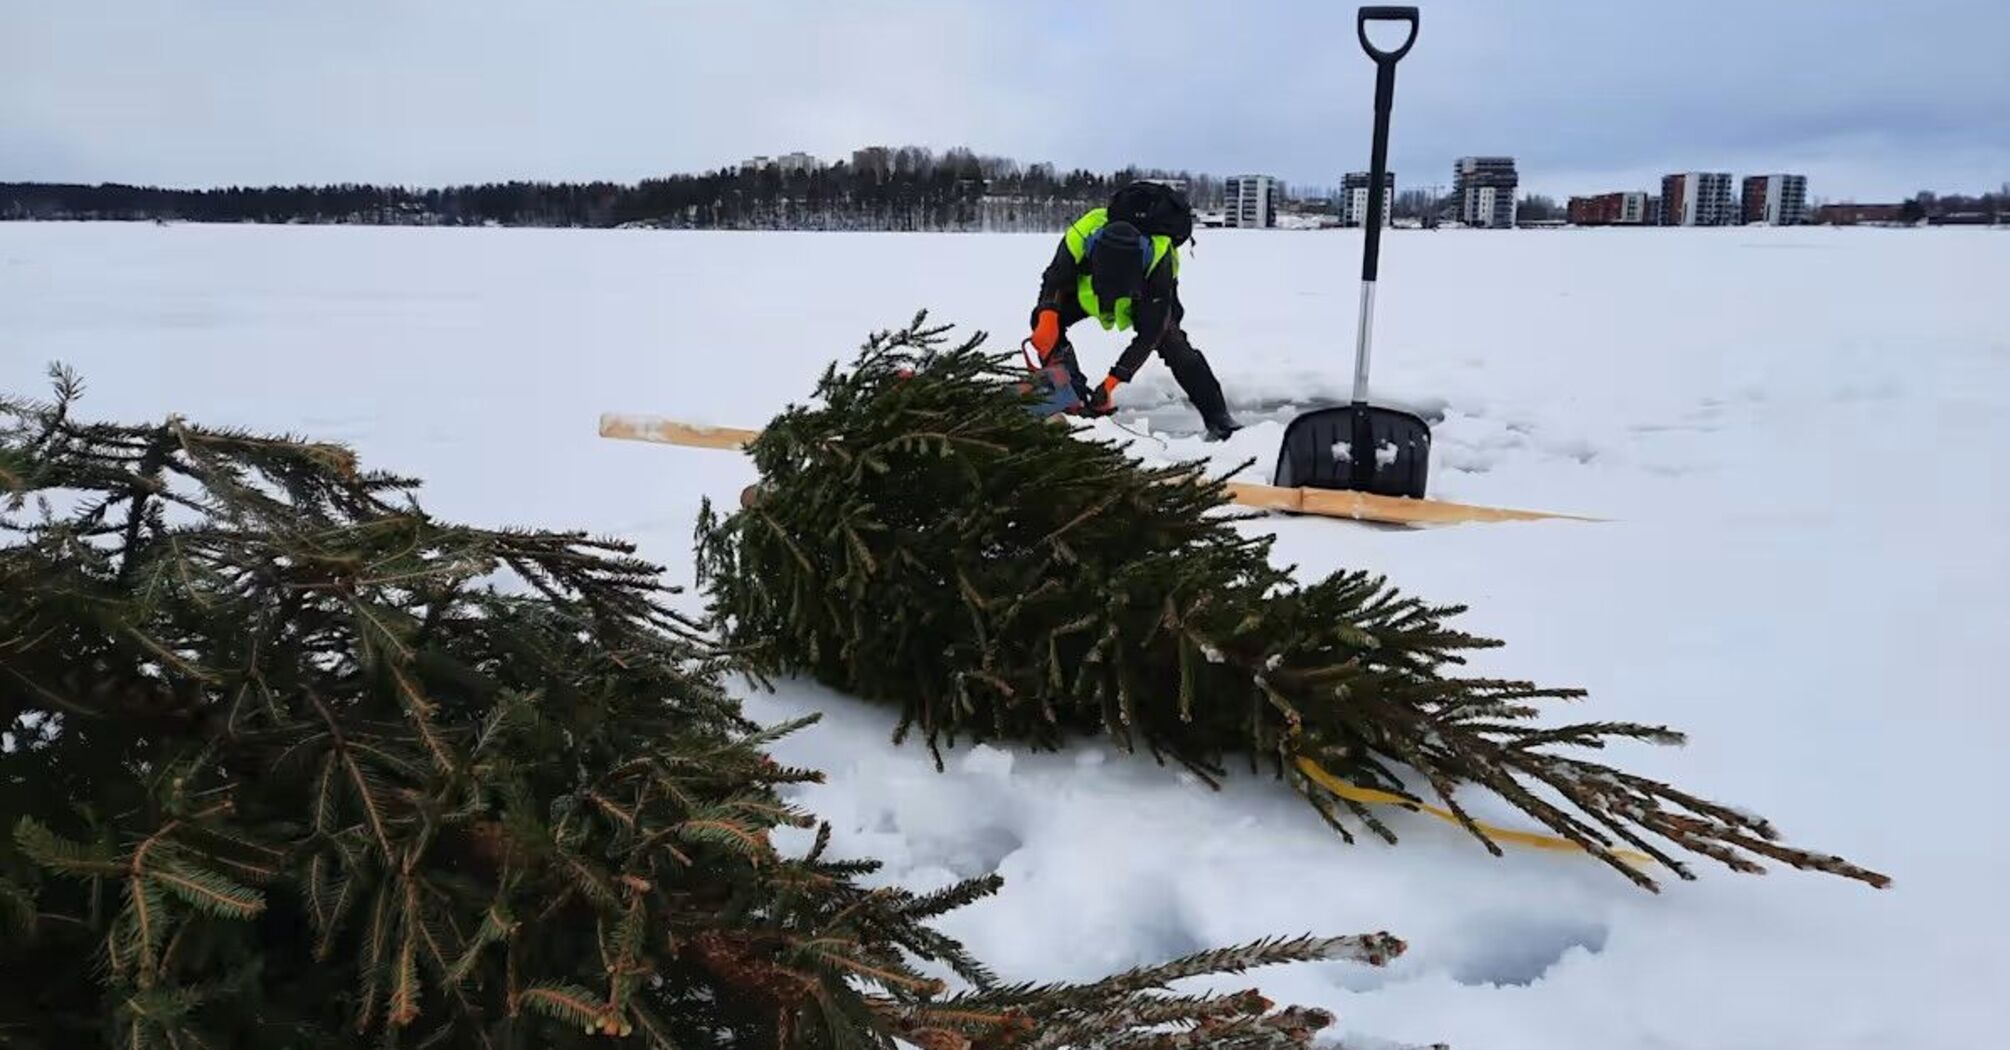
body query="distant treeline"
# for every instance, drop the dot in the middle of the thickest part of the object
(910, 188)
(904, 189)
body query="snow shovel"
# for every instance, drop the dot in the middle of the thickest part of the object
(1359, 446)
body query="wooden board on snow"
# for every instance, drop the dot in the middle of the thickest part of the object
(1330, 503)
(674, 432)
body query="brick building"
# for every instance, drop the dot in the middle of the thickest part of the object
(1698, 198)
(1776, 200)
(1854, 214)
(1609, 209)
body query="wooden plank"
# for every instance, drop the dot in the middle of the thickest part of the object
(1329, 503)
(1366, 506)
(673, 432)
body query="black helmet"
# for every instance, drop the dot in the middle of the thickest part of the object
(1118, 257)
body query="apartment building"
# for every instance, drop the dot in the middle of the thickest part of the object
(1776, 200)
(1698, 198)
(1609, 209)
(1354, 187)
(1483, 191)
(1251, 201)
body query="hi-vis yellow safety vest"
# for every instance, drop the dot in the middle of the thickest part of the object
(1080, 236)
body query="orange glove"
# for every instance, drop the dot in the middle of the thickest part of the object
(1047, 333)
(1103, 400)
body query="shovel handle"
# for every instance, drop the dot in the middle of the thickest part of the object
(1386, 14)
(1378, 167)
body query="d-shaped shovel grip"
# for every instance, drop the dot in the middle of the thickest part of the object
(1386, 14)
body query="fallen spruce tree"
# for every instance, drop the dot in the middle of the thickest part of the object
(290, 763)
(918, 538)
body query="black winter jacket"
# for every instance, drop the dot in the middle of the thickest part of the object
(1155, 314)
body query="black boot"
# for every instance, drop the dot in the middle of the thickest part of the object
(1191, 371)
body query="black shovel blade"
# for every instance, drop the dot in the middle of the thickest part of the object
(1361, 448)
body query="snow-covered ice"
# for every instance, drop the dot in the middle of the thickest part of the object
(1807, 566)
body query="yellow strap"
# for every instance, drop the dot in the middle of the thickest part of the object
(1533, 839)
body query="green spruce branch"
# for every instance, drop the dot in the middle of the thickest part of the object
(297, 764)
(920, 540)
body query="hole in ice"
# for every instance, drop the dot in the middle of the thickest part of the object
(979, 852)
(1172, 939)
(968, 851)
(1519, 950)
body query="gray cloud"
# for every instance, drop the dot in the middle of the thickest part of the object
(1871, 99)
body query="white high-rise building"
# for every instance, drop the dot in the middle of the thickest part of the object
(1481, 207)
(1483, 189)
(1698, 198)
(1776, 200)
(1251, 200)
(1354, 187)
(787, 162)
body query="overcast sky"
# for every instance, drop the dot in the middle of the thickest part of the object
(1872, 99)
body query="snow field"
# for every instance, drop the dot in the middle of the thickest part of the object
(1796, 434)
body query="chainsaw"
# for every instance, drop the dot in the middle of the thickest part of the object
(1055, 386)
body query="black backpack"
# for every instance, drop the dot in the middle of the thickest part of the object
(1156, 209)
